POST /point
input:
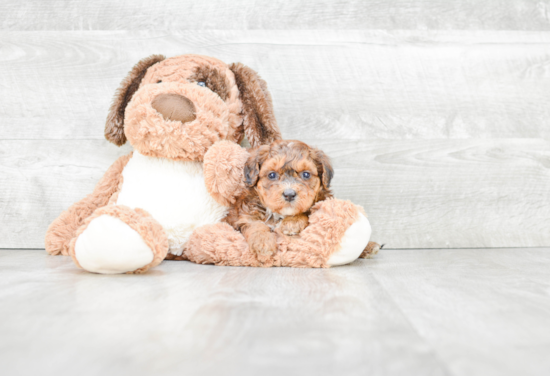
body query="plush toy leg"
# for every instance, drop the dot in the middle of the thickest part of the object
(117, 239)
(63, 229)
(219, 244)
(337, 234)
(354, 242)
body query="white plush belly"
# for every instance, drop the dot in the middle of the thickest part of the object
(173, 192)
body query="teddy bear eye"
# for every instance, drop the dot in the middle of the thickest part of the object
(306, 175)
(201, 83)
(272, 176)
(159, 81)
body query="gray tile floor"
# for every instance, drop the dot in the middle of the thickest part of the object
(407, 312)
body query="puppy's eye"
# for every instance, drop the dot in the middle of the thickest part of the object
(272, 176)
(306, 175)
(159, 81)
(201, 83)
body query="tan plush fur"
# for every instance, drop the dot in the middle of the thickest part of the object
(139, 220)
(193, 69)
(216, 112)
(327, 224)
(63, 229)
(259, 121)
(152, 135)
(114, 128)
(223, 171)
(236, 99)
(220, 244)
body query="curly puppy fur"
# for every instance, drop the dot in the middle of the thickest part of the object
(284, 180)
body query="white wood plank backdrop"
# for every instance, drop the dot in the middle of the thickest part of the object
(435, 113)
(273, 14)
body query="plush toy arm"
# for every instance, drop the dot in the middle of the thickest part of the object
(223, 171)
(337, 234)
(63, 229)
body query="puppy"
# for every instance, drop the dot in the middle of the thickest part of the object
(284, 180)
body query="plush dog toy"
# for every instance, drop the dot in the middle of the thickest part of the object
(185, 117)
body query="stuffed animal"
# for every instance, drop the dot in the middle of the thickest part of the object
(185, 117)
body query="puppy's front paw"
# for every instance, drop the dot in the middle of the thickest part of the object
(263, 244)
(291, 226)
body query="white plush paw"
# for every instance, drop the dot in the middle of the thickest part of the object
(353, 242)
(110, 246)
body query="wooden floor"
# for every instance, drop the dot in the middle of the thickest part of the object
(407, 312)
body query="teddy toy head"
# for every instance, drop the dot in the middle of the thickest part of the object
(177, 108)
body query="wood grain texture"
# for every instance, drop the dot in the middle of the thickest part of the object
(345, 84)
(417, 193)
(419, 312)
(40, 179)
(484, 312)
(267, 14)
(448, 193)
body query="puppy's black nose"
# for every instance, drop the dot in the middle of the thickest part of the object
(290, 194)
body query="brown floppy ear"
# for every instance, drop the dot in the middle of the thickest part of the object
(260, 126)
(253, 164)
(114, 128)
(324, 168)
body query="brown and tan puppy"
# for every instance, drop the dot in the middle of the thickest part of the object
(284, 180)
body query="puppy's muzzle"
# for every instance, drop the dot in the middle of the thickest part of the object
(174, 107)
(289, 194)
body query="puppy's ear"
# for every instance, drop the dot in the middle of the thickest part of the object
(254, 164)
(114, 127)
(324, 168)
(260, 126)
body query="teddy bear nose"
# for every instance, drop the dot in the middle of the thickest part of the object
(174, 107)
(290, 194)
